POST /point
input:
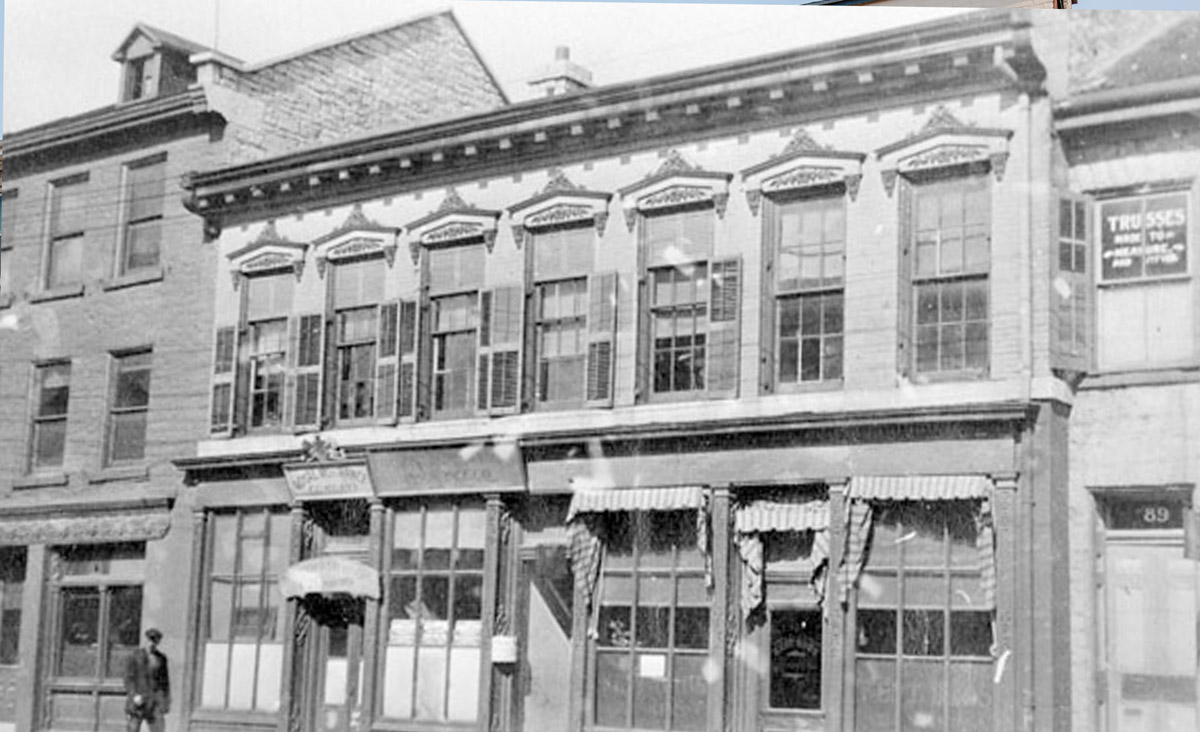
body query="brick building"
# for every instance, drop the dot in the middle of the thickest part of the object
(105, 291)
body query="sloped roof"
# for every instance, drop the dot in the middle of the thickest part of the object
(1171, 54)
(1120, 48)
(158, 37)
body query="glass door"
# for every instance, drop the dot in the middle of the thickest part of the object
(336, 664)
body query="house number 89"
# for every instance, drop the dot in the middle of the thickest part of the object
(1156, 514)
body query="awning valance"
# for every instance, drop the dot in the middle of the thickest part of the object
(920, 487)
(636, 499)
(87, 528)
(330, 576)
(763, 516)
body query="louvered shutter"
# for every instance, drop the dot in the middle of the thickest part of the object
(424, 359)
(904, 285)
(724, 327)
(241, 384)
(387, 355)
(767, 285)
(407, 347)
(224, 378)
(307, 386)
(1071, 290)
(501, 322)
(603, 291)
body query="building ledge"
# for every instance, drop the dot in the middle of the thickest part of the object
(119, 473)
(132, 279)
(58, 293)
(40, 480)
(1150, 377)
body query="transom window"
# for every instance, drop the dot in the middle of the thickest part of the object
(130, 403)
(652, 624)
(50, 415)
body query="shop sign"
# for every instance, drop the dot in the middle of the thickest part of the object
(340, 479)
(475, 468)
(1144, 237)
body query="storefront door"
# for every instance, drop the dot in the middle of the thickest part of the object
(335, 663)
(1151, 605)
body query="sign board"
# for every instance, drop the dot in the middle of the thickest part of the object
(1144, 237)
(478, 468)
(340, 479)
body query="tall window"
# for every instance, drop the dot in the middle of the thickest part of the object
(12, 584)
(357, 293)
(53, 391)
(435, 614)
(6, 244)
(562, 261)
(1075, 296)
(652, 629)
(924, 630)
(455, 280)
(268, 304)
(145, 189)
(951, 260)
(810, 262)
(1146, 299)
(794, 622)
(243, 631)
(68, 215)
(128, 407)
(680, 314)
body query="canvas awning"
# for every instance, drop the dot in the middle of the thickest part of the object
(920, 487)
(636, 499)
(763, 516)
(330, 576)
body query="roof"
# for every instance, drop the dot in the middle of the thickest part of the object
(1171, 53)
(158, 37)
(1107, 46)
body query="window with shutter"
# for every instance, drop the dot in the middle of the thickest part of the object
(501, 326)
(310, 349)
(602, 336)
(1071, 289)
(264, 362)
(406, 401)
(224, 363)
(452, 375)
(455, 321)
(357, 293)
(386, 371)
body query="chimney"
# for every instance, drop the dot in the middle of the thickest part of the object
(560, 77)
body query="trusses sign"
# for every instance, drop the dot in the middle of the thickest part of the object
(1144, 237)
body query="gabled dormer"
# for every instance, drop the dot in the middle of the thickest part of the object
(154, 63)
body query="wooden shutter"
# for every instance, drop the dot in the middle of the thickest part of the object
(241, 386)
(904, 285)
(307, 385)
(224, 378)
(1072, 293)
(724, 327)
(603, 291)
(766, 310)
(387, 361)
(407, 347)
(501, 322)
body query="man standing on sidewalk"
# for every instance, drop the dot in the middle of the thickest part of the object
(147, 686)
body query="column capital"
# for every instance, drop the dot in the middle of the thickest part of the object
(1006, 481)
(720, 489)
(838, 484)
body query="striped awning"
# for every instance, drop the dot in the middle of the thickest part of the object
(919, 487)
(636, 499)
(764, 516)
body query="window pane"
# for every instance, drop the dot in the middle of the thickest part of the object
(468, 597)
(79, 651)
(68, 209)
(795, 665)
(435, 597)
(876, 631)
(691, 627)
(690, 694)
(653, 627)
(133, 381)
(269, 296)
(142, 244)
(612, 688)
(789, 360)
(875, 694)
(614, 627)
(128, 436)
(146, 187)
(124, 627)
(224, 543)
(924, 633)
(971, 633)
(650, 680)
(66, 262)
(55, 389)
(50, 440)
(922, 695)
(970, 696)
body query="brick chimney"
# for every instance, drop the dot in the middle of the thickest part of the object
(560, 77)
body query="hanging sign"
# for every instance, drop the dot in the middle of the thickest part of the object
(336, 479)
(1144, 237)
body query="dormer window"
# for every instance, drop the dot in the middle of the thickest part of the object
(155, 63)
(137, 81)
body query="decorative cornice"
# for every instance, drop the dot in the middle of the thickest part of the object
(944, 141)
(453, 220)
(269, 252)
(802, 142)
(676, 182)
(560, 202)
(804, 165)
(358, 222)
(268, 237)
(86, 528)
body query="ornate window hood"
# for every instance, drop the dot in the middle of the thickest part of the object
(804, 166)
(357, 236)
(270, 252)
(945, 142)
(560, 202)
(676, 183)
(454, 221)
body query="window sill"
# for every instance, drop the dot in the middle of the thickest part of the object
(40, 480)
(6, 300)
(132, 279)
(807, 387)
(1161, 376)
(948, 377)
(119, 473)
(58, 293)
(246, 717)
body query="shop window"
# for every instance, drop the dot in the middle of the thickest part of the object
(947, 262)
(1144, 273)
(435, 614)
(12, 584)
(242, 631)
(652, 624)
(924, 627)
(145, 193)
(53, 390)
(795, 659)
(128, 406)
(68, 216)
(692, 308)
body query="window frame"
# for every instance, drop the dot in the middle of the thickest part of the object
(40, 372)
(695, 312)
(71, 237)
(129, 224)
(258, 361)
(437, 341)
(347, 354)
(7, 246)
(116, 411)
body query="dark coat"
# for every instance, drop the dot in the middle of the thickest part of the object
(152, 684)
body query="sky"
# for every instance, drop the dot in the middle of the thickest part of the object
(57, 54)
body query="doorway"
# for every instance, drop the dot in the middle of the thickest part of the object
(335, 663)
(1149, 633)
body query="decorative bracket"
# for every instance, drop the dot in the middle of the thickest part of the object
(945, 142)
(454, 221)
(804, 167)
(356, 237)
(560, 203)
(676, 183)
(269, 253)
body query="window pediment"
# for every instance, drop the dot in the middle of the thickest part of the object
(561, 202)
(454, 221)
(269, 252)
(676, 183)
(804, 165)
(944, 143)
(357, 236)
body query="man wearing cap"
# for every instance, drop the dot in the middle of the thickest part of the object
(147, 686)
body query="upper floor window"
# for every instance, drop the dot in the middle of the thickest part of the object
(6, 243)
(1146, 301)
(53, 391)
(357, 294)
(68, 211)
(690, 318)
(456, 276)
(948, 261)
(145, 189)
(268, 306)
(128, 407)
